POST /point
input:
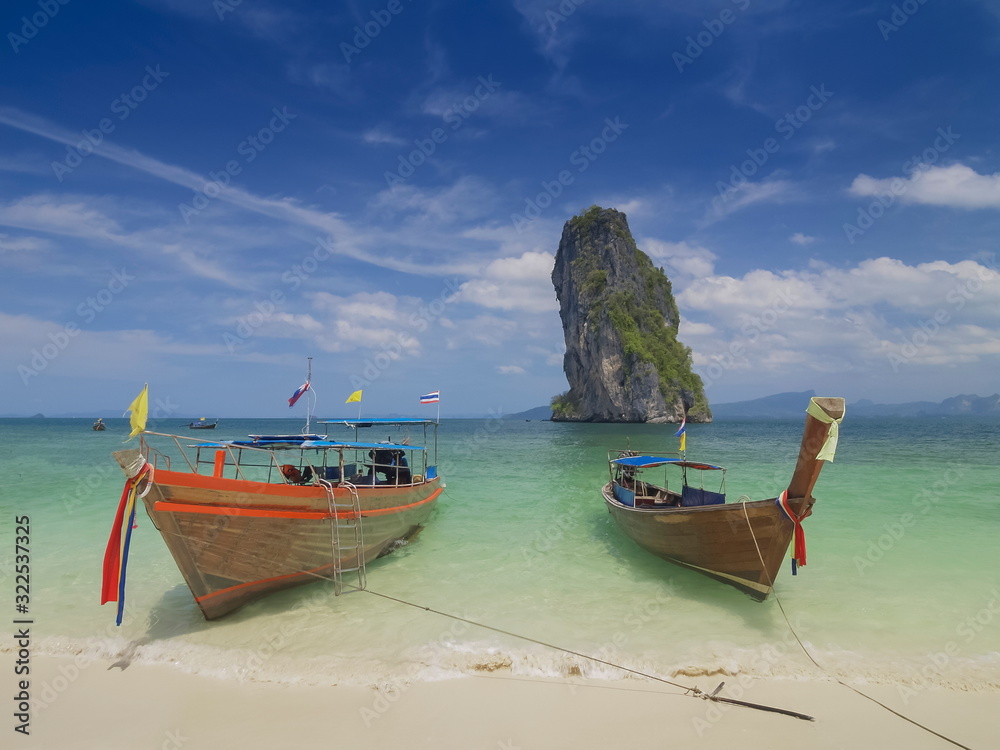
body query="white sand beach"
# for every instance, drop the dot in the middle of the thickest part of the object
(104, 706)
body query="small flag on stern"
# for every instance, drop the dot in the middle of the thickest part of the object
(298, 394)
(431, 398)
(356, 396)
(682, 433)
(140, 411)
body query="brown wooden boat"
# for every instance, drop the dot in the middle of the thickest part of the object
(247, 518)
(743, 543)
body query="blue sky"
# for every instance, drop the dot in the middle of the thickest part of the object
(201, 195)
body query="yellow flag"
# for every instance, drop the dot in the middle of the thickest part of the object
(684, 441)
(356, 396)
(140, 410)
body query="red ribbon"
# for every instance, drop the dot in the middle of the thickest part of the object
(799, 550)
(115, 554)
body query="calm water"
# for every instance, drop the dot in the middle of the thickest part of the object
(903, 580)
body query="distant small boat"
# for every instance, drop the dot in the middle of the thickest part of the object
(99, 425)
(742, 544)
(201, 424)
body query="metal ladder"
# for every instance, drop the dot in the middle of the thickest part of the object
(346, 534)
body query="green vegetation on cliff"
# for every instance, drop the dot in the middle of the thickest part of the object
(563, 407)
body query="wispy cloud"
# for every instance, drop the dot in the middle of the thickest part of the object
(748, 194)
(380, 135)
(347, 241)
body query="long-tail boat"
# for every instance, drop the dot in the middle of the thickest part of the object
(740, 543)
(203, 424)
(246, 518)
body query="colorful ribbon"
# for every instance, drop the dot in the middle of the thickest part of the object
(799, 548)
(116, 553)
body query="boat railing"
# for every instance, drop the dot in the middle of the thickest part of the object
(157, 454)
(342, 471)
(213, 458)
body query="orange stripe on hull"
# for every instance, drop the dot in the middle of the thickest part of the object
(238, 586)
(167, 506)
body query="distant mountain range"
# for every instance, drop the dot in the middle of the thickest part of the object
(785, 405)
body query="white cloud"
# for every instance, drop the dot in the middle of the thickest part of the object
(955, 186)
(88, 219)
(680, 258)
(69, 216)
(880, 316)
(37, 349)
(801, 239)
(519, 283)
(366, 320)
(511, 370)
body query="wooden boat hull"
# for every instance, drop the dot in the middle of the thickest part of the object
(715, 540)
(742, 544)
(236, 540)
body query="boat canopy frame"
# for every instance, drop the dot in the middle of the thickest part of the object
(403, 464)
(629, 463)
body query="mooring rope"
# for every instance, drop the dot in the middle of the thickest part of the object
(798, 640)
(694, 692)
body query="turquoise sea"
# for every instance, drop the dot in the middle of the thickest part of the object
(902, 583)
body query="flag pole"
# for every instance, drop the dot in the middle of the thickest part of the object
(309, 377)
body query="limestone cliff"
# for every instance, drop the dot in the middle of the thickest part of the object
(623, 360)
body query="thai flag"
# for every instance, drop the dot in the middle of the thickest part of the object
(683, 428)
(431, 398)
(298, 393)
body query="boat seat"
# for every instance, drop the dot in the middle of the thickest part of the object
(693, 497)
(659, 500)
(333, 472)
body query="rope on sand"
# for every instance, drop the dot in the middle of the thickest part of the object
(694, 692)
(819, 666)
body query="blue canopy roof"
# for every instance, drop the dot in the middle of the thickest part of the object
(288, 438)
(377, 422)
(291, 443)
(648, 462)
